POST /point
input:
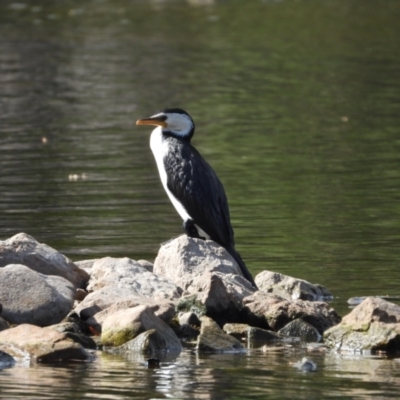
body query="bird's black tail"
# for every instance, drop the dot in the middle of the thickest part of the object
(242, 265)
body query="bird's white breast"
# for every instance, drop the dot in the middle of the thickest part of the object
(159, 147)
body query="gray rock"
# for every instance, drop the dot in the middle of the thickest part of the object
(146, 264)
(274, 312)
(301, 329)
(150, 341)
(204, 270)
(3, 323)
(30, 297)
(189, 318)
(305, 365)
(43, 344)
(213, 339)
(189, 325)
(6, 360)
(86, 265)
(290, 288)
(127, 324)
(372, 325)
(129, 274)
(24, 249)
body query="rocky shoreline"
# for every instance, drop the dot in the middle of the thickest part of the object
(52, 309)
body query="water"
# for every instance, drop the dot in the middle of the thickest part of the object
(297, 107)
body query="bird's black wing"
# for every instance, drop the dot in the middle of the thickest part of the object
(196, 186)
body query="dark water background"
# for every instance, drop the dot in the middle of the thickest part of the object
(297, 108)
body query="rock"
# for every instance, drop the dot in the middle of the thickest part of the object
(372, 325)
(301, 329)
(290, 288)
(205, 270)
(189, 325)
(30, 297)
(355, 301)
(15, 351)
(43, 344)
(150, 341)
(213, 339)
(274, 312)
(127, 324)
(72, 331)
(97, 306)
(189, 318)
(80, 294)
(127, 273)
(24, 249)
(6, 360)
(86, 265)
(3, 323)
(146, 264)
(251, 333)
(306, 365)
(187, 332)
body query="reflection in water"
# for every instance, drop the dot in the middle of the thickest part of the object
(297, 109)
(189, 376)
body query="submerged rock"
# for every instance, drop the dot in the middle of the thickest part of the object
(274, 312)
(205, 270)
(33, 298)
(306, 365)
(291, 288)
(24, 249)
(43, 344)
(372, 325)
(213, 339)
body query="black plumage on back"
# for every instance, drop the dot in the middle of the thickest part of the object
(196, 186)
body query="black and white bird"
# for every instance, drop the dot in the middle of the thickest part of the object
(191, 184)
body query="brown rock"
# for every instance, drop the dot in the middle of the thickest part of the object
(250, 333)
(213, 339)
(274, 312)
(43, 344)
(372, 325)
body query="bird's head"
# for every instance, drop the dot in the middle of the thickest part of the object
(173, 121)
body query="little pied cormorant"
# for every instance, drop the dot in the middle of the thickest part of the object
(191, 184)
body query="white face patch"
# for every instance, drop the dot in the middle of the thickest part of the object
(180, 124)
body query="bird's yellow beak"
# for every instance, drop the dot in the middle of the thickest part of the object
(151, 121)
